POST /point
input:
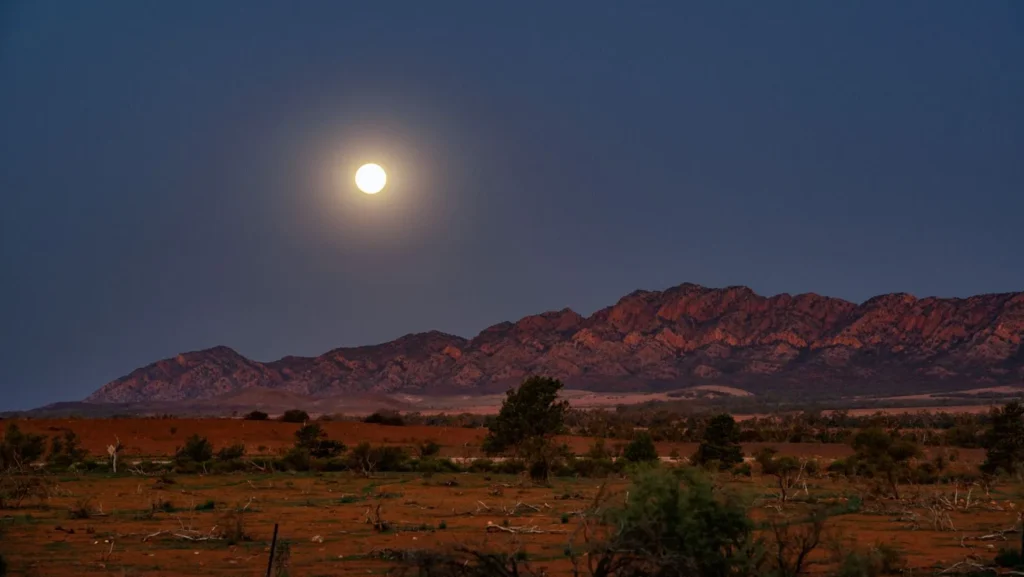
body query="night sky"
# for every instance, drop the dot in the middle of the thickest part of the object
(178, 175)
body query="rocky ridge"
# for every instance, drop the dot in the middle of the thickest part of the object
(686, 335)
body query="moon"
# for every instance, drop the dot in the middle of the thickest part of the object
(371, 178)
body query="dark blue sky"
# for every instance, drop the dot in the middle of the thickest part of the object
(178, 175)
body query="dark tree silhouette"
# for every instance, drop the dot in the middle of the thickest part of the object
(721, 443)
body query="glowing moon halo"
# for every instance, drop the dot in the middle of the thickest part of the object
(371, 178)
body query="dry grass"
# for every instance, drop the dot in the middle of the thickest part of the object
(324, 517)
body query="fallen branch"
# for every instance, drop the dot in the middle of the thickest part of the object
(529, 529)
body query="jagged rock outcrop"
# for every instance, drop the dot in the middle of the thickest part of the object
(682, 336)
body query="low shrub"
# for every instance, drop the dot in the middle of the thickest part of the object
(18, 449)
(256, 416)
(742, 470)
(332, 465)
(229, 466)
(596, 467)
(366, 459)
(197, 449)
(428, 449)
(509, 467)
(389, 418)
(641, 449)
(1009, 559)
(880, 559)
(232, 527)
(231, 452)
(65, 450)
(296, 459)
(82, 509)
(294, 416)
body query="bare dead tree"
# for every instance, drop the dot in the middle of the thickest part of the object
(791, 543)
(112, 451)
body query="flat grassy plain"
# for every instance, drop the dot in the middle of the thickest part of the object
(130, 524)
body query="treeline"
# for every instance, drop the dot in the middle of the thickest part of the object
(935, 429)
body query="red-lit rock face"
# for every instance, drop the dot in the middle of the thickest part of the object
(682, 336)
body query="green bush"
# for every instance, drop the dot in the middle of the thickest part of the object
(313, 439)
(332, 465)
(20, 449)
(881, 559)
(641, 449)
(720, 444)
(428, 449)
(742, 470)
(690, 528)
(481, 466)
(296, 459)
(367, 459)
(294, 416)
(509, 467)
(596, 467)
(65, 450)
(1009, 558)
(389, 418)
(197, 449)
(231, 452)
(430, 466)
(229, 466)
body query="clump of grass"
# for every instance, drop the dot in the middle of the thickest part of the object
(209, 505)
(565, 518)
(82, 509)
(232, 525)
(442, 525)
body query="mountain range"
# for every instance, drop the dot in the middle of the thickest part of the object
(806, 344)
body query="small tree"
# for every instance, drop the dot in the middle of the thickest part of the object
(599, 451)
(65, 450)
(792, 543)
(785, 469)
(295, 416)
(19, 449)
(256, 416)
(529, 417)
(878, 453)
(1004, 440)
(720, 443)
(641, 449)
(312, 438)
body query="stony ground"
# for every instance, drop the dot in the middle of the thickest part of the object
(146, 525)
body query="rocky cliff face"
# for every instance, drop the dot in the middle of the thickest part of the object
(682, 336)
